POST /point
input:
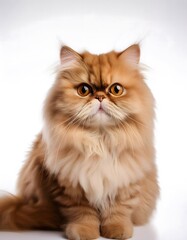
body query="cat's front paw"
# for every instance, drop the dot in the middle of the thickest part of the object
(76, 231)
(123, 230)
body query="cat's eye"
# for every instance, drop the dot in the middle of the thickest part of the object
(116, 89)
(84, 89)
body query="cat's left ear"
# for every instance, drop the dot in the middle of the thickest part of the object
(69, 57)
(130, 55)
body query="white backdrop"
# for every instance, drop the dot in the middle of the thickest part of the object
(31, 32)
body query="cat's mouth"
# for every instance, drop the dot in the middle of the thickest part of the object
(100, 114)
(102, 111)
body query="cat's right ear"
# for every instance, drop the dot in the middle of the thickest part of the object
(69, 57)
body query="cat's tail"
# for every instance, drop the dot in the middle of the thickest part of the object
(17, 214)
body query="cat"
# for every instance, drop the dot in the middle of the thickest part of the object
(91, 170)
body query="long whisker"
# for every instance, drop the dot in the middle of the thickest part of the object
(136, 121)
(114, 112)
(68, 120)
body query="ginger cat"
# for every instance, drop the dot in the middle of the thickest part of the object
(91, 170)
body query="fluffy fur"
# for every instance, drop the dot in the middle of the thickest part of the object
(91, 170)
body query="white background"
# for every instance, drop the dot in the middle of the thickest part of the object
(31, 33)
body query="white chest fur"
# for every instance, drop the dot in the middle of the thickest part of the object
(100, 171)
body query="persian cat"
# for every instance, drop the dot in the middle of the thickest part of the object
(91, 170)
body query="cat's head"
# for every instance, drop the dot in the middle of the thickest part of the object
(98, 91)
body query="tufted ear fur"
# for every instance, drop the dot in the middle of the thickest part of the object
(68, 57)
(131, 55)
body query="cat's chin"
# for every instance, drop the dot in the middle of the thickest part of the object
(101, 119)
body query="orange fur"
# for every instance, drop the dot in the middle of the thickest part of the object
(91, 171)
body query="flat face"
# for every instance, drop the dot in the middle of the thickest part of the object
(98, 90)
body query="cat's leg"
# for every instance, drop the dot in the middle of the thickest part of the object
(116, 222)
(133, 206)
(83, 224)
(148, 194)
(81, 221)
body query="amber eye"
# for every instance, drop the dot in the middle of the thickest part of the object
(84, 89)
(116, 89)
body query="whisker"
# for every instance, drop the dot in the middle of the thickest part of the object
(136, 121)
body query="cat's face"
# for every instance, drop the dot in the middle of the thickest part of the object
(98, 90)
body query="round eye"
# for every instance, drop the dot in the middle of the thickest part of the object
(116, 89)
(83, 90)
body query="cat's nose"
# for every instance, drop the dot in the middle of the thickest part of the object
(100, 97)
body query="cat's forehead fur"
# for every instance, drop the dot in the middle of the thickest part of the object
(100, 68)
